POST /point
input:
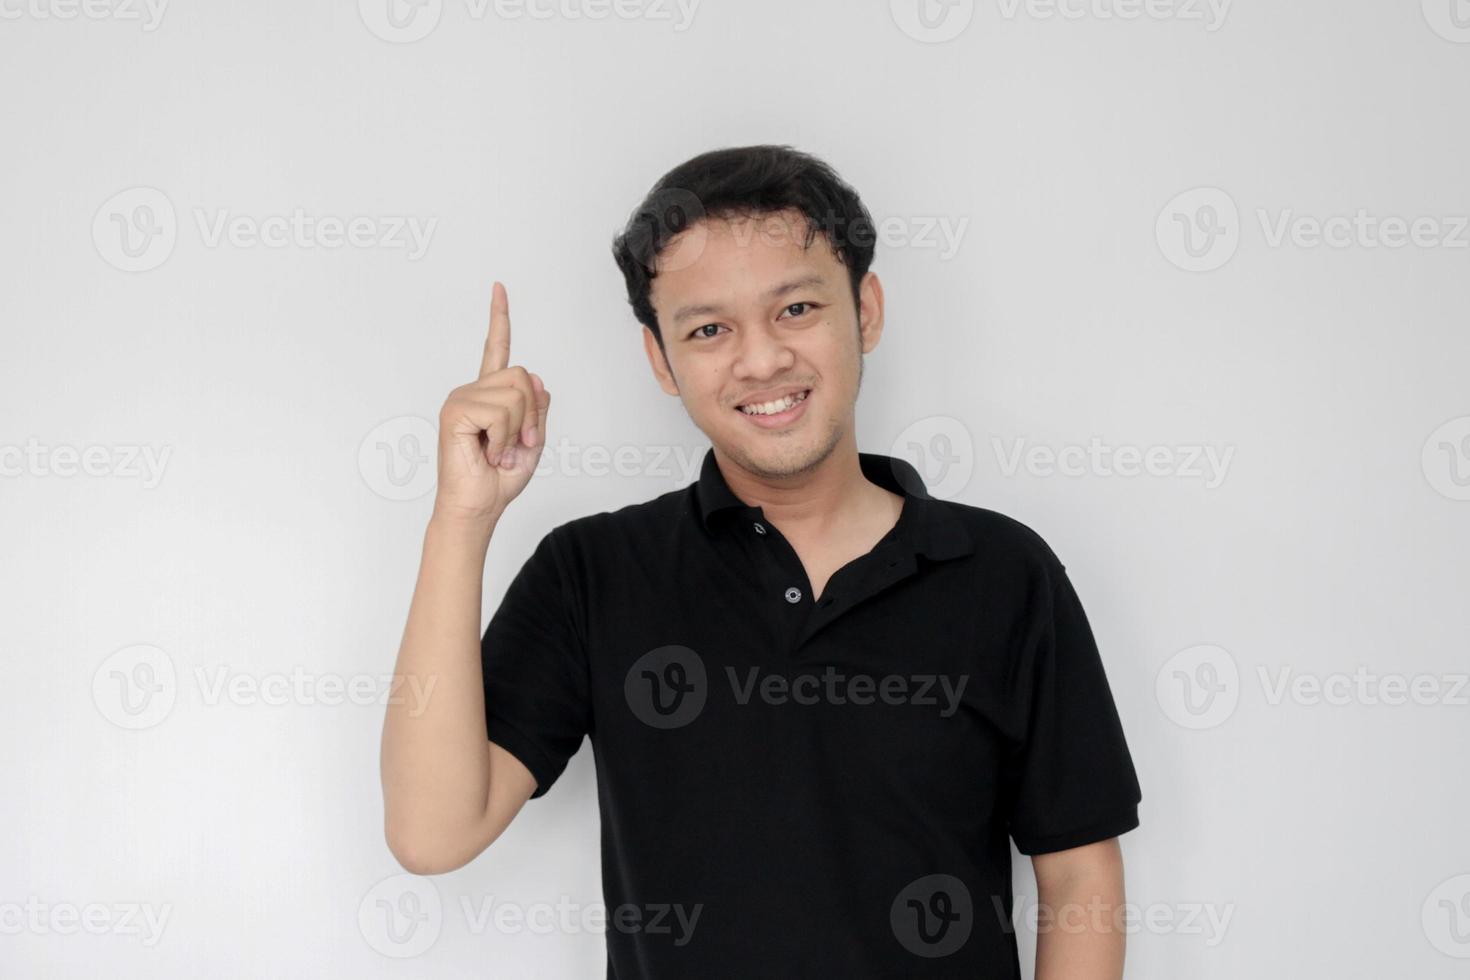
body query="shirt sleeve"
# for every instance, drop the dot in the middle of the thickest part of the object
(1074, 781)
(533, 659)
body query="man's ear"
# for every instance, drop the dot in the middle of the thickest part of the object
(870, 311)
(660, 363)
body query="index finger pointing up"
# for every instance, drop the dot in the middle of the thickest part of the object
(497, 341)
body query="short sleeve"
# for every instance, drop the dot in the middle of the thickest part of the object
(534, 664)
(1073, 778)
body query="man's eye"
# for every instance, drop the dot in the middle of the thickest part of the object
(795, 305)
(698, 330)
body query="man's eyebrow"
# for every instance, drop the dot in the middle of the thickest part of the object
(815, 280)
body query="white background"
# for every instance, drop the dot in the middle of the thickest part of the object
(271, 384)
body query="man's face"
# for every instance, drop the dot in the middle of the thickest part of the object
(749, 316)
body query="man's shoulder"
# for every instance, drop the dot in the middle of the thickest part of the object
(644, 522)
(1001, 540)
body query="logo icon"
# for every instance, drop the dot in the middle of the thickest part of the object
(396, 459)
(401, 916)
(1198, 687)
(941, 450)
(401, 21)
(135, 230)
(1199, 230)
(1446, 917)
(1446, 459)
(932, 21)
(667, 687)
(1450, 19)
(933, 916)
(671, 215)
(135, 687)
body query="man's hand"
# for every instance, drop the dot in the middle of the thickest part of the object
(492, 430)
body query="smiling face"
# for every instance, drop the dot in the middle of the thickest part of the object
(763, 341)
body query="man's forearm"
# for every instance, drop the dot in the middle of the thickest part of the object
(435, 756)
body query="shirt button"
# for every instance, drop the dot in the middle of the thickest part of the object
(793, 594)
(760, 528)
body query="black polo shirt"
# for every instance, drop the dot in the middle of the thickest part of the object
(798, 788)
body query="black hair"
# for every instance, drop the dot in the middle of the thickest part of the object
(739, 182)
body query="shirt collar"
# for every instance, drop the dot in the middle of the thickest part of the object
(934, 531)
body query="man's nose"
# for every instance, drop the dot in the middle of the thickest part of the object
(762, 351)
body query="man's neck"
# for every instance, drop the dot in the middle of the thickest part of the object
(817, 504)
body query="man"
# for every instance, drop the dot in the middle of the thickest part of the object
(821, 701)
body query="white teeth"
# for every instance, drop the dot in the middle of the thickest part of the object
(771, 408)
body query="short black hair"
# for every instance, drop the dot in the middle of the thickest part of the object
(738, 182)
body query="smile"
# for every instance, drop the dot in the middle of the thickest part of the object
(776, 407)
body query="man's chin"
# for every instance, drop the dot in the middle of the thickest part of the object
(776, 457)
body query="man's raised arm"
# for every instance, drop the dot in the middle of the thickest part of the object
(448, 792)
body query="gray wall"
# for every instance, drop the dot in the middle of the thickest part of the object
(248, 250)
